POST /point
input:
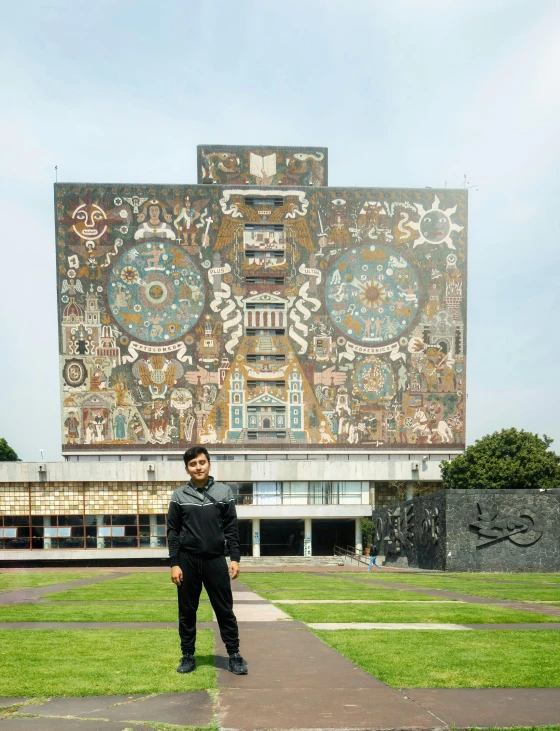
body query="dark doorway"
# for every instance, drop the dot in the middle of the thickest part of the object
(245, 537)
(282, 537)
(326, 534)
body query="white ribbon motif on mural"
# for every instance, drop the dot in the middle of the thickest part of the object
(314, 304)
(352, 349)
(230, 314)
(134, 348)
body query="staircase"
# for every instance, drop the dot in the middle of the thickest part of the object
(288, 561)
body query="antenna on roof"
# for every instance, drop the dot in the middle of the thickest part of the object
(56, 173)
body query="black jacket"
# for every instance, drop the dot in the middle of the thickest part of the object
(196, 524)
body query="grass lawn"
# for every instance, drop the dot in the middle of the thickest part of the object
(36, 663)
(12, 582)
(305, 586)
(431, 659)
(458, 613)
(537, 578)
(134, 587)
(133, 612)
(484, 588)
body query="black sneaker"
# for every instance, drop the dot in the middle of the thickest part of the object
(187, 664)
(237, 664)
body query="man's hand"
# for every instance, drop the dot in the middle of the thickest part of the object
(234, 569)
(176, 575)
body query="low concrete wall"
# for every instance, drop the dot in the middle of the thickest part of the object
(473, 530)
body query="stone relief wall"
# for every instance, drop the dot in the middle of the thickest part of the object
(473, 530)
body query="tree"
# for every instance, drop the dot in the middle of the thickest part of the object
(7, 454)
(506, 459)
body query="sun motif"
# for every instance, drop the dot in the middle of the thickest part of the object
(372, 294)
(435, 225)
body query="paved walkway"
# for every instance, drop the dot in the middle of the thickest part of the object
(295, 682)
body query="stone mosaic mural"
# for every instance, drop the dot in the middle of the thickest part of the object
(242, 315)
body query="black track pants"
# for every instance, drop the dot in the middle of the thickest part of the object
(212, 571)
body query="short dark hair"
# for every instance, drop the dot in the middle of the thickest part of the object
(193, 452)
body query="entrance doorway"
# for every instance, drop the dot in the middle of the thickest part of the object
(282, 537)
(245, 537)
(326, 534)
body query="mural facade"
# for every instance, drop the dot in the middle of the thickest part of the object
(242, 315)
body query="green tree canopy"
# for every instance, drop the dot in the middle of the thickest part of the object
(506, 459)
(7, 454)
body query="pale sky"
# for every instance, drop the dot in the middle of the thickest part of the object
(407, 93)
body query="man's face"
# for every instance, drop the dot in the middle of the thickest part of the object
(198, 469)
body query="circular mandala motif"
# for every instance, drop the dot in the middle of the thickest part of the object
(74, 373)
(156, 292)
(374, 380)
(372, 294)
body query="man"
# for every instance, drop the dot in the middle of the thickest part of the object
(201, 519)
(373, 553)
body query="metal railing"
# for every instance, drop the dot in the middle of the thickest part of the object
(352, 554)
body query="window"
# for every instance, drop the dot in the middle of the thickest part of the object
(57, 531)
(268, 202)
(257, 357)
(152, 531)
(267, 331)
(264, 280)
(261, 384)
(112, 531)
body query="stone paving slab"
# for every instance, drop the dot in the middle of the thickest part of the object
(466, 707)
(321, 708)
(78, 706)
(387, 625)
(65, 724)
(11, 701)
(258, 612)
(246, 596)
(287, 658)
(181, 709)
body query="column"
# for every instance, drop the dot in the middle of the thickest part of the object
(256, 531)
(409, 490)
(358, 534)
(47, 542)
(307, 534)
(153, 531)
(100, 539)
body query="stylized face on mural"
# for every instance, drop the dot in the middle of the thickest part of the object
(435, 227)
(89, 221)
(372, 294)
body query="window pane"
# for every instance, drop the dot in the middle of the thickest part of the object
(16, 520)
(8, 532)
(124, 520)
(103, 531)
(117, 530)
(70, 520)
(50, 532)
(64, 532)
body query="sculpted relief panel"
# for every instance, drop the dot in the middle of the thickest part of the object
(242, 316)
